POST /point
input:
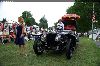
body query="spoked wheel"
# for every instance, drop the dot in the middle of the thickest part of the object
(69, 49)
(38, 49)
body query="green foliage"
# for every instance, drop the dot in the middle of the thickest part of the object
(4, 20)
(43, 22)
(85, 10)
(55, 24)
(86, 0)
(29, 20)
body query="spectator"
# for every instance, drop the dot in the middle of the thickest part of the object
(5, 37)
(12, 36)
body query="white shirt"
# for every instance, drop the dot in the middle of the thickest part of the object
(60, 25)
(1, 32)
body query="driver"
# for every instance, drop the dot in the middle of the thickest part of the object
(60, 25)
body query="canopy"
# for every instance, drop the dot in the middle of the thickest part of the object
(70, 17)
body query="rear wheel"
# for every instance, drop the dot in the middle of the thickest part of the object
(74, 43)
(38, 49)
(69, 49)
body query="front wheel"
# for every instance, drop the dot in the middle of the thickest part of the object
(38, 49)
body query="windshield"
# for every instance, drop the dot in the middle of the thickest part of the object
(69, 22)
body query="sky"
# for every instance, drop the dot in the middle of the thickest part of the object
(53, 11)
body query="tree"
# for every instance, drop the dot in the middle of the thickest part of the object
(85, 10)
(43, 23)
(4, 20)
(86, 1)
(55, 24)
(29, 20)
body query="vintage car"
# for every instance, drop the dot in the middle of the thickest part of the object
(59, 40)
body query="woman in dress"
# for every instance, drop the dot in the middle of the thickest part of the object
(20, 35)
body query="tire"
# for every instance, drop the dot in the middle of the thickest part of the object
(37, 47)
(74, 44)
(69, 50)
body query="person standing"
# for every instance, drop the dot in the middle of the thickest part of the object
(20, 36)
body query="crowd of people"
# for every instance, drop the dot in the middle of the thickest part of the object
(6, 33)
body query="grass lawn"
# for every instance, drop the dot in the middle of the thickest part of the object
(86, 54)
